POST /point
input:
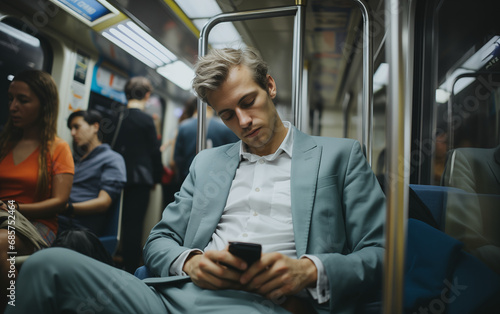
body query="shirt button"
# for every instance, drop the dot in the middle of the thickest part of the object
(244, 235)
(261, 161)
(255, 214)
(257, 190)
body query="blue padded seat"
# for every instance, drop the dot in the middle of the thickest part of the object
(143, 272)
(435, 198)
(110, 238)
(441, 277)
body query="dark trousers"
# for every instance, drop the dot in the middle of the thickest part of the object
(135, 204)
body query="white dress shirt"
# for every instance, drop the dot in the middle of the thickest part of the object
(259, 210)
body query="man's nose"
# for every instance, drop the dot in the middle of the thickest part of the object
(244, 118)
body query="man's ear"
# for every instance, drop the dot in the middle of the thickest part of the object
(95, 126)
(271, 86)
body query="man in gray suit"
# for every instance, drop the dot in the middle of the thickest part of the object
(472, 214)
(313, 203)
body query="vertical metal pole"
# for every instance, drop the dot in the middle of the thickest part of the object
(399, 50)
(367, 111)
(240, 16)
(298, 62)
(304, 103)
(201, 136)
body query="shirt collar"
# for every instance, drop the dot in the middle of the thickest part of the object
(97, 150)
(286, 146)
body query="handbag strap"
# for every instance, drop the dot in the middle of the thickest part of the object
(120, 119)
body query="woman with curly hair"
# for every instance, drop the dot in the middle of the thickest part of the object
(36, 168)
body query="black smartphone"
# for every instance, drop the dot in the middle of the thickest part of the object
(249, 252)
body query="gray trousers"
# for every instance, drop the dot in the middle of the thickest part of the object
(58, 280)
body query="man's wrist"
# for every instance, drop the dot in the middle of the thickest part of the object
(185, 268)
(311, 272)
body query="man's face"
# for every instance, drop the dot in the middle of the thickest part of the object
(82, 132)
(248, 110)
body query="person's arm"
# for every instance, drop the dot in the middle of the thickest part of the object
(179, 230)
(112, 180)
(463, 211)
(97, 205)
(61, 187)
(358, 270)
(165, 242)
(62, 181)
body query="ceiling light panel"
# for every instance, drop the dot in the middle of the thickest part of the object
(199, 8)
(131, 38)
(223, 35)
(128, 49)
(179, 73)
(151, 40)
(135, 46)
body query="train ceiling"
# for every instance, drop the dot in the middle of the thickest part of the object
(332, 42)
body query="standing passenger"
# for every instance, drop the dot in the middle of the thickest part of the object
(185, 145)
(138, 143)
(36, 169)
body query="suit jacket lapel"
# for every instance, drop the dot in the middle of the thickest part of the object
(306, 157)
(227, 163)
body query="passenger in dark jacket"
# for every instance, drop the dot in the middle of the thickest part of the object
(138, 143)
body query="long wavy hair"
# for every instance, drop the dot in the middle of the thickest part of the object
(44, 87)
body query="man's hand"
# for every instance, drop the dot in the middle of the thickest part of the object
(210, 270)
(276, 275)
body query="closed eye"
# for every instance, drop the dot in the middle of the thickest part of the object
(227, 115)
(247, 105)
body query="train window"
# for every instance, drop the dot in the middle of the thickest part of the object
(456, 131)
(20, 51)
(467, 85)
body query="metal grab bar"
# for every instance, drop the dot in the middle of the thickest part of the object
(399, 50)
(367, 98)
(299, 13)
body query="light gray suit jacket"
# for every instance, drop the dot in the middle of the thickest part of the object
(472, 217)
(474, 170)
(338, 212)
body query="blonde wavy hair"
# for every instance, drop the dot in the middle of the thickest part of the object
(44, 87)
(212, 70)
